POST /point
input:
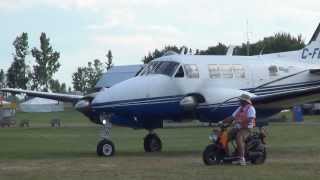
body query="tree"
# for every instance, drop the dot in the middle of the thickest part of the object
(87, 77)
(47, 63)
(2, 79)
(55, 86)
(219, 49)
(158, 53)
(109, 60)
(17, 76)
(279, 42)
(94, 72)
(79, 79)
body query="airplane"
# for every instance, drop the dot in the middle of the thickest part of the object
(205, 87)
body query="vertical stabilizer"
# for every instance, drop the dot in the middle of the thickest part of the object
(311, 53)
(316, 35)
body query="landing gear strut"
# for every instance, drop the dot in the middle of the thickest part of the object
(105, 147)
(152, 142)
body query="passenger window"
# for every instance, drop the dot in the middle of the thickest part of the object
(180, 73)
(192, 70)
(214, 71)
(239, 71)
(226, 71)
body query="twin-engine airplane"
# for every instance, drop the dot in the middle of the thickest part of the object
(176, 86)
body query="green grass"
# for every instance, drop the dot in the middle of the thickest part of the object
(69, 153)
(69, 117)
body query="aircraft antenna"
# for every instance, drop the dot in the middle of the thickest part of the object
(248, 40)
(261, 51)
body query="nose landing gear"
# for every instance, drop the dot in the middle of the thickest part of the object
(105, 147)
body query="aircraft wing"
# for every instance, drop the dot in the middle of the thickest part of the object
(284, 100)
(47, 95)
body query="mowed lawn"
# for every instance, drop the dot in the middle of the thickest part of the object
(41, 152)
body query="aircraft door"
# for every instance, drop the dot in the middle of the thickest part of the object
(259, 74)
(187, 78)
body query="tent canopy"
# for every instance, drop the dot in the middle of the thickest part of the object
(41, 105)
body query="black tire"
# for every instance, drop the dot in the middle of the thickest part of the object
(211, 155)
(152, 143)
(105, 148)
(260, 159)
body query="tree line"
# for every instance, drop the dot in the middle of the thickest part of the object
(279, 42)
(39, 76)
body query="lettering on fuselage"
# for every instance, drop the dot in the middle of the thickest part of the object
(310, 53)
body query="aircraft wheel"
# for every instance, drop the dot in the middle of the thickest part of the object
(105, 148)
(152, 143)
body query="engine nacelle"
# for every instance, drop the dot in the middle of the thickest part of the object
(189, 103)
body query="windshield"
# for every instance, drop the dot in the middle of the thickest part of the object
(160, 67)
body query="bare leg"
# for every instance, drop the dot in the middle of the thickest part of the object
(241, 143)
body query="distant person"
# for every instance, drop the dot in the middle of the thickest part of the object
(244, 118)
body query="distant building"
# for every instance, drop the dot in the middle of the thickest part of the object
(118, 74)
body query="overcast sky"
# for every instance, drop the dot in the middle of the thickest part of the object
(82, 30)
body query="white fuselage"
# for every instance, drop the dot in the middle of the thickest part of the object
(158, 90)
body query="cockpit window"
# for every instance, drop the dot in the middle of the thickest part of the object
(180, 73)
(160, 67)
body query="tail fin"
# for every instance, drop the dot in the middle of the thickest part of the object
(312, 50)
(315, 36)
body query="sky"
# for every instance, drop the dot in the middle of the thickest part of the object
(83, 30)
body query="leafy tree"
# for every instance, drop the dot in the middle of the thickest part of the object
(279, 42)
(87, 77)
(158, 53)
(17, 76)
(94, 72)
(79, 79)
(220, 49)
(55, 86)
(109, 60)
(47, 63)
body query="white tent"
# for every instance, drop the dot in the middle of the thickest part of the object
(41, 105)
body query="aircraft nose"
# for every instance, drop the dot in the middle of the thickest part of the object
(142, 87)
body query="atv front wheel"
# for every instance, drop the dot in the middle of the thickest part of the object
(211, 155)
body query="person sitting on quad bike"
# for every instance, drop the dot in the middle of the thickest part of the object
(244, 118)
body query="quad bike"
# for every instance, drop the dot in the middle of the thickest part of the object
(218, 151)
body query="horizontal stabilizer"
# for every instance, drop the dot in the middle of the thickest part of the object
(284, 100)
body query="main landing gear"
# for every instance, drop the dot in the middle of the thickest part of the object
(152, 142)
(105, 147)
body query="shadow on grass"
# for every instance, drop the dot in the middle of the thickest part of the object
(92, 154)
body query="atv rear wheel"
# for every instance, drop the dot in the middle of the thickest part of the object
(260, 159)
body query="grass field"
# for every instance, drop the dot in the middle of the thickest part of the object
(41, 152)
